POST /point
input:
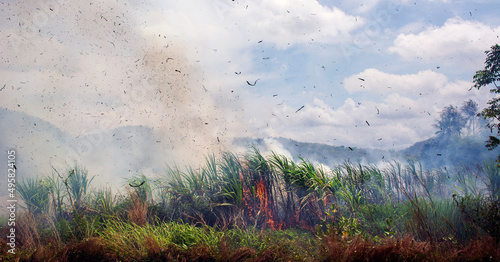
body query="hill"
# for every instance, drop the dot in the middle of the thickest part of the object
(434, 152)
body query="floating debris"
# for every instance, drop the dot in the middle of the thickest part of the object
(254, 83)
(299, 109)
(142, 183)
(367, 123)
(361, 79)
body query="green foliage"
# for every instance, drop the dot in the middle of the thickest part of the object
(389, 228)
(103, 201)
(491, 72)
(57, 192)
(79, 183)
(230, 182)
(492, 180)
(35, 193)
(482, 212)
(490, 75)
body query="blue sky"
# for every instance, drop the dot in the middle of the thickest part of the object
(415, 58)
(181, 67)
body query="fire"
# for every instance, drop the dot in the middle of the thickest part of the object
(265, 207)
(264, 203)
(260, 202)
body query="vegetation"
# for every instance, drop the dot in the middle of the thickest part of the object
(451, 123)
(253, 207)
(491, 75)
(459, 139)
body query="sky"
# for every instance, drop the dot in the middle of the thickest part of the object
(373, 74)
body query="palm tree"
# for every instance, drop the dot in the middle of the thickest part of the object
(469, 109)
(451, 122)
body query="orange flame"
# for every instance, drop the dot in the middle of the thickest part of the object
(264, 204)
(260, 203)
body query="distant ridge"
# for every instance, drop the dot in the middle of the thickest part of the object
(111, 155)
(435, 152)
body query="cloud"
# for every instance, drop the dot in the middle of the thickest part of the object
(285, 22)
(228, 36)
(351, 124)
(375, 116)
(375, 85)
(378, 82)
(457, 42)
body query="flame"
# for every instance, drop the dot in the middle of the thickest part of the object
(263, 197)
(260, 203)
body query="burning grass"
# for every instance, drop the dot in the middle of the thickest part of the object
(256, 208)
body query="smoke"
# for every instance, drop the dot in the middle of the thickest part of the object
(110, 85)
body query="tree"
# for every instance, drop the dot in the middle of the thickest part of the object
(491, 75)
(451, 122)
(469, 110)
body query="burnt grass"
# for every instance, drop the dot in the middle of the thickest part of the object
(357, 249)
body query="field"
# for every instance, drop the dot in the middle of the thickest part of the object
(253, 207)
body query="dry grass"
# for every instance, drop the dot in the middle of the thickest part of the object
(137, 212)
(330, 249)
(407, 249)
(28, 235)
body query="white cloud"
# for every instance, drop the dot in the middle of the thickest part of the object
(457, 42)
(285, 22)
(428, 85)
(227, 37)
(375, 116)
(377, 82)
